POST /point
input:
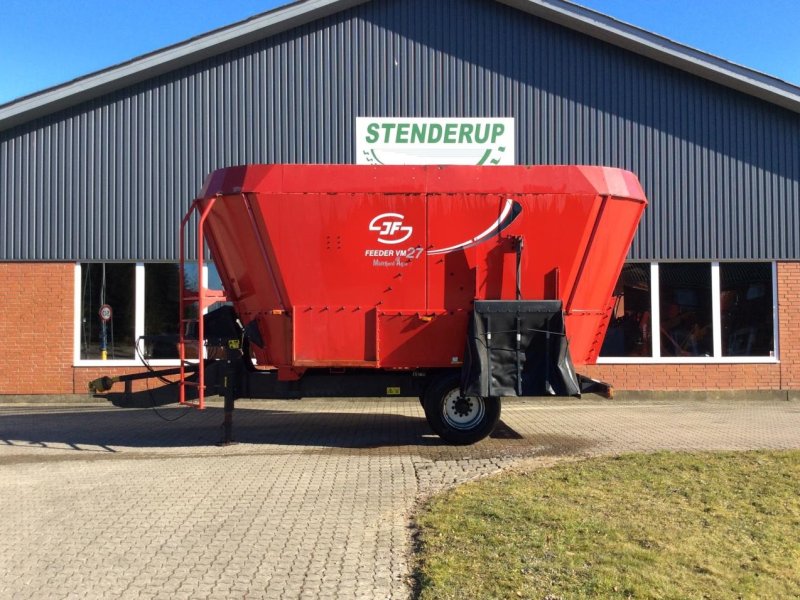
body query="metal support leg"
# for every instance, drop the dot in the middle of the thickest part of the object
(518, 353)
(227, 421)
(489, 348)
(229, 391)
(547, 360)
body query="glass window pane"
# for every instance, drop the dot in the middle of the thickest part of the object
(629, 332)
(112, 284)
(161, 309)
(214, 280)
(686, 323)
(215, 283)
(746, 306)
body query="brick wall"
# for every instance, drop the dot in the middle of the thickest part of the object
(789, 324)
(36, 328)
(785, 375)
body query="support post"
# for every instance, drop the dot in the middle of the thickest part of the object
(519, 246)
(518, 353)
(547, 358)
(227, 422)
(230, 389)
(489, 348)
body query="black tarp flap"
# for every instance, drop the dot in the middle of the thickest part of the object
(518, 348)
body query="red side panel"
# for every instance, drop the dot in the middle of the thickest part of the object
(247, 267)
(420, 340)
(588, 306)
(342, 336)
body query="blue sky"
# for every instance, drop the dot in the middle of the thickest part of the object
(47, 42)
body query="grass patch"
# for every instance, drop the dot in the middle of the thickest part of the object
(661, 525)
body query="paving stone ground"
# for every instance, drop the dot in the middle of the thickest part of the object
(315, 501)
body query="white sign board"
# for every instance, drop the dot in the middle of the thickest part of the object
(427, 141)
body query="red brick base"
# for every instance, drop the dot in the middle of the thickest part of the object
(789, 325)
(36, 343)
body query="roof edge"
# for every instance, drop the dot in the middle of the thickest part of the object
(161, 61)
(662, 49)
(561, 12)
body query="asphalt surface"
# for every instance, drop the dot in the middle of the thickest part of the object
(314, 501)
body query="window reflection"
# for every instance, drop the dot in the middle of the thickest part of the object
(686, 322)
(161, 308)
(629, 332)
(746, 306)
(111, 284)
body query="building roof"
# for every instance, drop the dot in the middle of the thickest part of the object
(561, 12)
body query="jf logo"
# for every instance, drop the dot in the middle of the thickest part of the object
(390, 228)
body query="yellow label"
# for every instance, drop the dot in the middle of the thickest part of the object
(233, 344)
(392, 391)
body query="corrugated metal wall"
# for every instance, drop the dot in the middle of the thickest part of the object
(110, 180)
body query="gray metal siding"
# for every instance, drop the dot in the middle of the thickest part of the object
(110, 179)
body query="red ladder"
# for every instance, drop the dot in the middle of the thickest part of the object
(204, 298)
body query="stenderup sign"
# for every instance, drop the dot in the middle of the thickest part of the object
(432, 141)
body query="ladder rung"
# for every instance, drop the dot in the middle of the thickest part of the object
(208, 295)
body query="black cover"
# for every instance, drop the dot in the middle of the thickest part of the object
(221, 325)
(518, 348)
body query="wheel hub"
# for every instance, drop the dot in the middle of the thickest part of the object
(463, 412)
(462, 406)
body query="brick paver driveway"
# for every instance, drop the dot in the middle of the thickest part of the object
(315, 501)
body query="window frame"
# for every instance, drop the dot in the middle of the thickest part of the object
(716, 316)
(138, 330)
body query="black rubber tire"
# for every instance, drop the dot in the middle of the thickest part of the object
(447, 388)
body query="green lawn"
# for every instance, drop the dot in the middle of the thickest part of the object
(663, 525)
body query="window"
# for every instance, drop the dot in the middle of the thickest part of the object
(161, 309)
(690, 312)
(629, 333)
(686, 324)
(746, 305)
(111, 285)
(144, 301)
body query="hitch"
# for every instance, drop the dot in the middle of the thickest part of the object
(104, 384)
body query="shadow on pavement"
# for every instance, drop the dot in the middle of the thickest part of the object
(351, 428)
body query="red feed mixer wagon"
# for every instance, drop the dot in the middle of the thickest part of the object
(460, 285)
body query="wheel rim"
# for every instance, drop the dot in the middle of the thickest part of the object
(463, 412)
